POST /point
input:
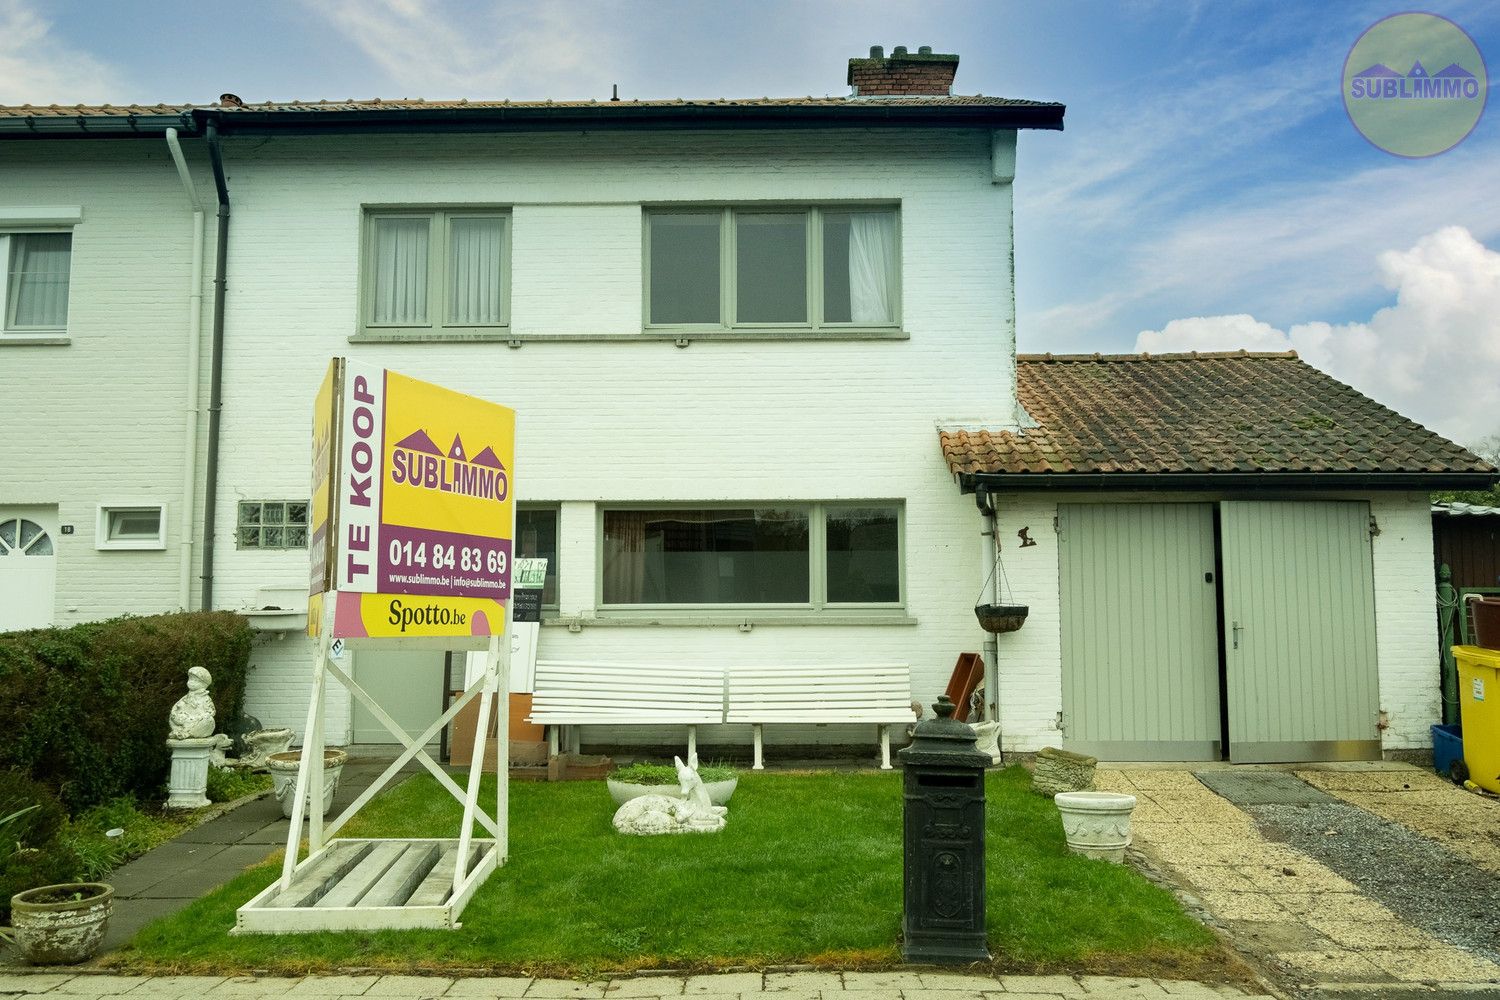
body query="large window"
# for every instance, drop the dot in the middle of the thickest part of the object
(34, 295)
(782, 555)
(436, 271)
(536, 538)
(744, 268)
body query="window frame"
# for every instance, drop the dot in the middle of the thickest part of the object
(548, 610)
(285, 524)
(439, 236)
(103, 542)
(8, 299)
(817, 557)
(728, 266)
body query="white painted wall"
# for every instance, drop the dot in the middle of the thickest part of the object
(1406, 622)
(100, 419)
(601, 421)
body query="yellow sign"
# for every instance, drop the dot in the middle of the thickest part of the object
(418, 504)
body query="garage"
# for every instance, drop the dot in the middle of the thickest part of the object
(1196, 631)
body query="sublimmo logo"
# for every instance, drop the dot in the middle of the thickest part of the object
(1412, 112)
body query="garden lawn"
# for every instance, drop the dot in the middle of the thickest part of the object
(808, 870)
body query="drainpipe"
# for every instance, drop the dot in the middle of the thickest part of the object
(986, 504)
(191, 376)
(216, 366)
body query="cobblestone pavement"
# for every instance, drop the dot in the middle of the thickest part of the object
(1303, 920)
(917, 985)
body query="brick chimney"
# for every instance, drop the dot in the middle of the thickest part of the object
(921, 74)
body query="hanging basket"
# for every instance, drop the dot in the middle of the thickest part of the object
(1001, 617)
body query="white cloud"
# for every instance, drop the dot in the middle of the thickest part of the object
(509, 50)
(1434, 355)
(36, 67)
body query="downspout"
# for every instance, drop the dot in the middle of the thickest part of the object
(216, 366)
(191, 377)
(986, 504)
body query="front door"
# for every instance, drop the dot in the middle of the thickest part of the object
(1299, 620)
(28, 567)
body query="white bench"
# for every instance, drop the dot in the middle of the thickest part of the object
(574, 693)
(875, 693)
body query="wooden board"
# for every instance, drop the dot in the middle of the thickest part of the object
(357, 881)
(968, 672)
(396, 886)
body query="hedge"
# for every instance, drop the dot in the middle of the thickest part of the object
(84, 709)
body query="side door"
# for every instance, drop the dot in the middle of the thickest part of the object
(28, 567)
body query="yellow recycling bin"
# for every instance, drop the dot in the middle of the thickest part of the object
(1479, 710)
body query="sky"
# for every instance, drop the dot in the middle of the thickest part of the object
(1208, 193)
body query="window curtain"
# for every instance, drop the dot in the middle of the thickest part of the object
(401, 271)
(625, 555)
(39, 279)
(474, 271)
(872, 259)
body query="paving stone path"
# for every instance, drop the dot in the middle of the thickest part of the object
(917, 985)
(1299, 916)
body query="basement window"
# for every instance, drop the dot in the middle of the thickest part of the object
(131, 527)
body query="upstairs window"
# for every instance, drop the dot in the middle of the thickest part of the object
(436, 271)
(758, 268)
(34, 295)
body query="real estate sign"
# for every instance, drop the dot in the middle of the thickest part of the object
(413, 507)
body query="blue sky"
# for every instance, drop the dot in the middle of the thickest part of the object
(1209, 190)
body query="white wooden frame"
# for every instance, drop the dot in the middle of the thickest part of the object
(491, 686)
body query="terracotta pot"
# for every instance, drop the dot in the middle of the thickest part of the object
(1001, 617)
(53, 928)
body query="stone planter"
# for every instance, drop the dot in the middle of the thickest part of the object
(1097, 824)
(283, 768)
(54, 928)
(719, 792)
(262, 743)
(987, 739)
(1062, 771)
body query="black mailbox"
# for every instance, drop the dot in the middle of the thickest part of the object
(943, 858)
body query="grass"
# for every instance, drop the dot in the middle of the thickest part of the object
(808, 870)
(666, 774)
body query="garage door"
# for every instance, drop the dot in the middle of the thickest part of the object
(1299, 611)
(1140, 633)
(407, 684)
(28, 567)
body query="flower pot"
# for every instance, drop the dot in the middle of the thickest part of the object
(1001, 617)
(1096, 824)
(1486, 613)
(283, 767)
(1062, 771)
(622, 792)
(52, 927)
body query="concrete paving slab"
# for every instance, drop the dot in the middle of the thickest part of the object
(1262, 788)
(130, 915)
(332, 986)
(724, 982)
(252, 986)
(647, 986)
(1122, 986)
(787, 982)
(40, 982)
(176, 986)
(958, 981)
(1063, 985)
(490, 986)
(565, 988)
(849, 994)
(414, 987)
(99, 986)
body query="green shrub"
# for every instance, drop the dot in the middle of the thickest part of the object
(31, 853)
(35, 866)
(226, 786)
(84, 709)
(666, 774)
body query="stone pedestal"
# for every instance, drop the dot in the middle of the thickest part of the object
(188, 780)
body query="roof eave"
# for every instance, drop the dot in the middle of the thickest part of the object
(1009, 482)
(94, 126)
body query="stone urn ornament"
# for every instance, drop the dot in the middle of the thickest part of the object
(261, 744)
(693, 812)
(61, 924)
(1096, 824)
(1062, 771)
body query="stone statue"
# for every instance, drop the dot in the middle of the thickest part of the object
(648, 815)
(192, 717)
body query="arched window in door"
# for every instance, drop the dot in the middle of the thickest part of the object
(20, 537)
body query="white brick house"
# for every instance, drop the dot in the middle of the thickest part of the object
(730, 330)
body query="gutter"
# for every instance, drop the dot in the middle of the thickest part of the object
(969, 482)
(216, 365)
(191, 377)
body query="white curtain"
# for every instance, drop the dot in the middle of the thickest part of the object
(872, 259)
(474, 271)
(39, 279)
(401, 271)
